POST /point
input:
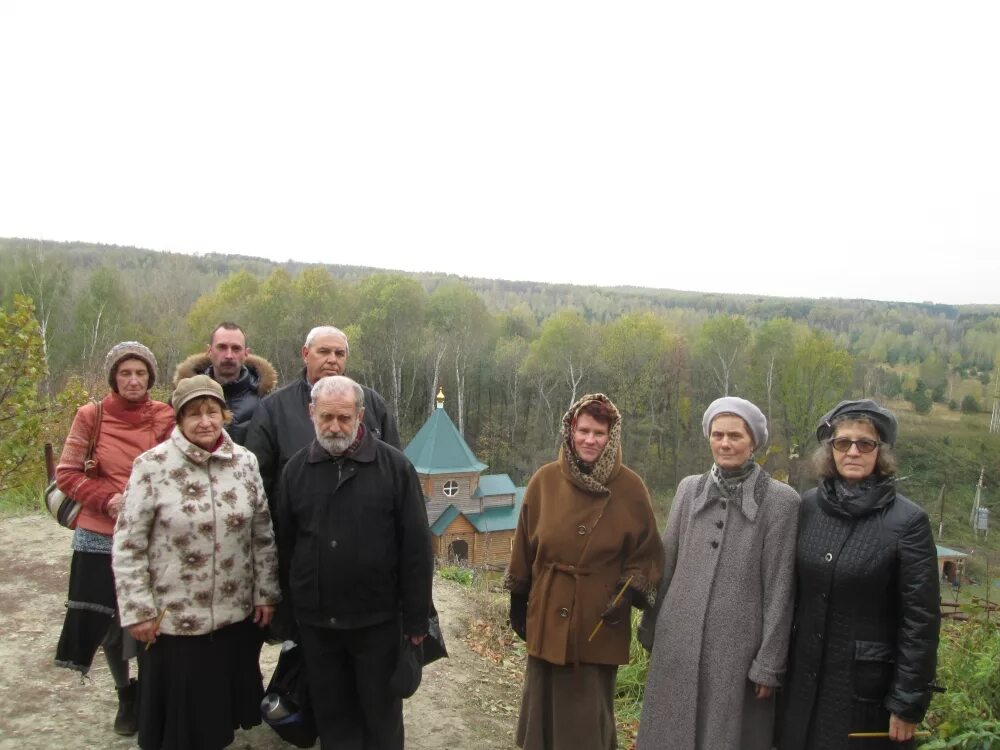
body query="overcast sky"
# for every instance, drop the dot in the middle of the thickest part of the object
(847, 149)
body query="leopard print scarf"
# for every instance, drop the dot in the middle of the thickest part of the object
(595, 476)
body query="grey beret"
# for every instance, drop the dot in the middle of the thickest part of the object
(745, 410)
(883, 419)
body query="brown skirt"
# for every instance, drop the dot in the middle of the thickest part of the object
(567, 708)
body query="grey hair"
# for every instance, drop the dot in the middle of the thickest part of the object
(826, 467)
(326, 331)
(333, 385)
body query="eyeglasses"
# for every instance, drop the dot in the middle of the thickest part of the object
(864, 445)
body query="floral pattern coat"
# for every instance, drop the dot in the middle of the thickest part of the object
(194, 537)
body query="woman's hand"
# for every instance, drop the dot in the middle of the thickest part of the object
(115, 505)
(144, 632)
(900, 730)
(262, 614)
(763, 692)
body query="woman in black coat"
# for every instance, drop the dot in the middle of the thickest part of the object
(867, 615)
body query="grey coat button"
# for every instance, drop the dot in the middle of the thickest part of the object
(828, 557)
(715, 545)
(333, 543)
(333, 620)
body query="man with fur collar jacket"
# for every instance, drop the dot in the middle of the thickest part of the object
(245, 378)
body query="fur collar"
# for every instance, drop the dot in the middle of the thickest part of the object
(198, 364)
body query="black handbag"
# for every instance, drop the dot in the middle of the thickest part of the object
(61, 506)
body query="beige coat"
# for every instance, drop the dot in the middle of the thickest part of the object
(194, 536)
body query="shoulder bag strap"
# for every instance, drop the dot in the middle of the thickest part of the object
(89, 462)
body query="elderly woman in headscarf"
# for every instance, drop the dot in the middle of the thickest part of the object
(867, 608)
(586, 550)
(719, 633)
(126, 423)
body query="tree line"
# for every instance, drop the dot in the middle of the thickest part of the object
(510, 356)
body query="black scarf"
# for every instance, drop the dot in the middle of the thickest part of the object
(839, 498)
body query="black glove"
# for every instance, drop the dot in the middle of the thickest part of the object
(618, 613)
(519, 615)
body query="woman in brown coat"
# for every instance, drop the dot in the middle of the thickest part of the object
(586, 533)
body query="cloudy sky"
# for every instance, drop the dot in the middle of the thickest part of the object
(847, 149)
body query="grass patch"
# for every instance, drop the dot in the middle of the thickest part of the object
(629, 689)
(21, 501)
(458, 574)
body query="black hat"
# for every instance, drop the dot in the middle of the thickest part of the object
(883, 419)
(406, 676)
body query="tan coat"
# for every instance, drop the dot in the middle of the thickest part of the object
(574, 548)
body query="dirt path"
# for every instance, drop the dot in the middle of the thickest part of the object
(464, 702)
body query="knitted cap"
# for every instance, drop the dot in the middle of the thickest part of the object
(125, 350)
(745, 410)
(189, 389)
(883, 419)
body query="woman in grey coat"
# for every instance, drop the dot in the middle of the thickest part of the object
(719, 633)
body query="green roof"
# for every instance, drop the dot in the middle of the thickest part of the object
(948, 552)
(439, 448)
(492, 519)
(444, 520)
(494, 484)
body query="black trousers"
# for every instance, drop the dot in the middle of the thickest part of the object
(348, 673)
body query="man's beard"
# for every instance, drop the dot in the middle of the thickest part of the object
(335, 445)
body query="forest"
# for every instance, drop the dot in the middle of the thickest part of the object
(512, 355)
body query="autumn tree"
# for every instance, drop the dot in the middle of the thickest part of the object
(721, 346)
(28, 417)
(462, 328)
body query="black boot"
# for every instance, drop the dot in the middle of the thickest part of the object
(127, 718)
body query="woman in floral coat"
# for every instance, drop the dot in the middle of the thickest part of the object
(196, 573)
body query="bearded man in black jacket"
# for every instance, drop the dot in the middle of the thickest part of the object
(356, 566)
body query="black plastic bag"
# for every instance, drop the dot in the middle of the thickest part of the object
(433, 645)
(286, 708)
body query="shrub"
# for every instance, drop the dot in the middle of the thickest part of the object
(970, 405)
(921, 401)
(461, 575)
(967, 716)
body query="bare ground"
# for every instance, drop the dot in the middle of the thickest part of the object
(465, 702)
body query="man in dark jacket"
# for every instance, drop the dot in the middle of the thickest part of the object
(245, 378)
(356, 566)
(281, 424)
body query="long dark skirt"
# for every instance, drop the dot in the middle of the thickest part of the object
(196, 690)
(567, 708)
(91, 615)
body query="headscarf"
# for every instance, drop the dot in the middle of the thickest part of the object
(593, 476)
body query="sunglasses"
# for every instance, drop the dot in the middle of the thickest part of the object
(843, 444)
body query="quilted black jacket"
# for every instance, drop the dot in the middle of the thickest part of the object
(865, 633)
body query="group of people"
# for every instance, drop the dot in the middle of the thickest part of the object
(201, 517)
(772, 621)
